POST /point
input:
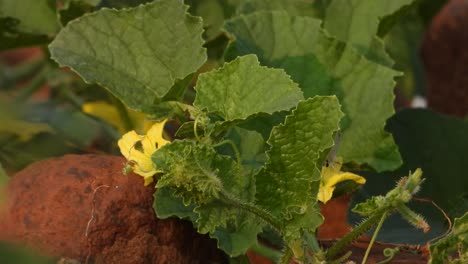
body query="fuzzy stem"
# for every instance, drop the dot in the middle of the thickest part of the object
(374, 236)
(286, 258)
(353, 235)
(312, 242)
(268, 252)
(264, 215)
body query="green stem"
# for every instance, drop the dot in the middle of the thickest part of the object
(264, 215)
(268, 252)
(390, 254)
(353, 235)
(312, 242)
(286, 258)
(233, 146)
(33, 85)
(374, 236)
(195, 131)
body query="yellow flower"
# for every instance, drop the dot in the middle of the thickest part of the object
(138, 149)
(111, 115)
(331, 176)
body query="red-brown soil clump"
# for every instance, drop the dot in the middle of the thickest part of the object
(82, 207)
(445, 57)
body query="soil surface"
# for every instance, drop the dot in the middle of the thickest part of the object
(82, 207)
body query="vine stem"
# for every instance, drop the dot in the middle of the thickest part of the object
(195, 131)
(354, 234)
(264, 215)
(233, 146)
(263, 250)
(285, 259)
(374, 236)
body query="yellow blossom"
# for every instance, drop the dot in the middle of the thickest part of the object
(111, 115)
(138, 149)
(331, 176)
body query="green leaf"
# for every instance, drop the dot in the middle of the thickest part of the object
(3, 180)
(13, 124)
(215, 12)
(288, 185)
(21, 255)
(437, 144)
(357, 22)
(201, 178)
(167, 204)
(325, 66)
(314, 8)
(403, 43)
(243, 88)
(31, 16)
(138, 54)
(456, 241)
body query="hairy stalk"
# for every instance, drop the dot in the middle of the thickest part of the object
(264, 215)
(287, 255)
(312, 242)
(363, 227)
(374, 236)
(268, 252)
(341, 259)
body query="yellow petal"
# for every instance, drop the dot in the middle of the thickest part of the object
(127, 143)
(345, 176)
(331, 176)
(154, 136)
(140, 156)
(106, 112)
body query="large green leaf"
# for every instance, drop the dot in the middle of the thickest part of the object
(357, 22)
(243, 88)
(139, 54)
(325, 66)
(288, 185)
(215, 12)
(201, 177)
(437, 144)
(30, 16)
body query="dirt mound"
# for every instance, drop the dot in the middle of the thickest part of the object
(82, 207)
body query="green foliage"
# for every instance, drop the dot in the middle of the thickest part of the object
(325, 66)
(357, 23)
(42, 21)
(231, 202)
(139, 54)
(295, 158)
(243, 88)
(454, 244)
(253, 134)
